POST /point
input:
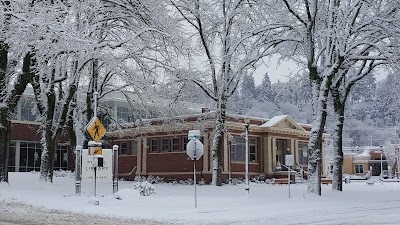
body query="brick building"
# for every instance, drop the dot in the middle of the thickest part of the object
(158, 148)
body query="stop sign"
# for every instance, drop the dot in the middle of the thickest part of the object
(194, 148)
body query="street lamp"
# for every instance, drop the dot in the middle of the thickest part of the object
(381, 162)
(247, 121)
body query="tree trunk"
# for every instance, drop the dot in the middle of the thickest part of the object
(5, 131)
(4, 114)
(47, 160)
(49, 141)
(337, 183)
(320, 95)
(217, 148)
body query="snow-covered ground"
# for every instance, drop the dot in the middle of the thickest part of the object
(174, 204)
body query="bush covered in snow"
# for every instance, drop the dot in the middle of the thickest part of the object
(150, 179)
(145, 188)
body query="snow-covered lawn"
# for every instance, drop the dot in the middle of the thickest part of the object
(266, 204)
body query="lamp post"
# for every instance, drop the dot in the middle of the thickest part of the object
(381, 162)
(247, 121)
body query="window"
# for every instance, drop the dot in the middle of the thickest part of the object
(359, 168)
(124, 148)
(185, 141)
(165, 145)
(175, 144)
(303, 153)
(122, 114)
(154, 145)
(61, 158)
(104, 119)
(11, 160)
(238, 149)
(30, 156)
(27, 107)
(134, 147)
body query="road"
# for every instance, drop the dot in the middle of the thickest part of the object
(12, 213)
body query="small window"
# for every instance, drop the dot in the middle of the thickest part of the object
(175, 144)
(359, 168)
(154, 145)
(252, 154)
(165, 145)
(134, 147)
(185, 141)
(124, 149)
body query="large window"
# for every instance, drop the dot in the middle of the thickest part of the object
(122, 114)
(238, 149)
(61, 158)
(27, 109)
(168, 144)
(303, 153)
(359, 168)
(30, 155)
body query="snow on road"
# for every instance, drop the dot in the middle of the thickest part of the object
(13, 213)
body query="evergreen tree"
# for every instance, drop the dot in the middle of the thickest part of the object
(265, 89)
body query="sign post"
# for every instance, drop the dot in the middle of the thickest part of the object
(96, 130)
(78, 170)
(289, 160)
(195, 151)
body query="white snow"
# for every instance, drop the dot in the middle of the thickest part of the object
(266, 204)
(273, 121)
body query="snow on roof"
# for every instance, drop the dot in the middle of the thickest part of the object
(273, 121)
(365, 153)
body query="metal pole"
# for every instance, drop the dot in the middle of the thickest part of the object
(78, 170)
(247, 159)
(230, 167)
(289, 179)
(381, 163)
(95, 103)
(115, 168)
(194, 178)
(94, 191)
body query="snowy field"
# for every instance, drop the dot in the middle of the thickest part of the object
(27, 199)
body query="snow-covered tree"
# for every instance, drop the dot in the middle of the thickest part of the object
(328, 37)
(228, 37)
(265, 90)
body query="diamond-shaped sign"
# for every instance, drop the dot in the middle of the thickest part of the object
(95, 129)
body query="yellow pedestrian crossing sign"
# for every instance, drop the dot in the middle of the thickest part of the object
(95, 129)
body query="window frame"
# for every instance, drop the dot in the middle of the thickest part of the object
(238, 150)
(359, 167)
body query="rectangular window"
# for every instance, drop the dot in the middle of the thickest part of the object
(154, 145)
(122, 114)
(165, 145)
(359, 168)
(30, 156)
(11, 160)
(134, 147)
(27, 109)
(175, 144)
(303, 153)
(185, 141)
(124, 148)
(61, 158)
(104, 119)
(238, 149)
